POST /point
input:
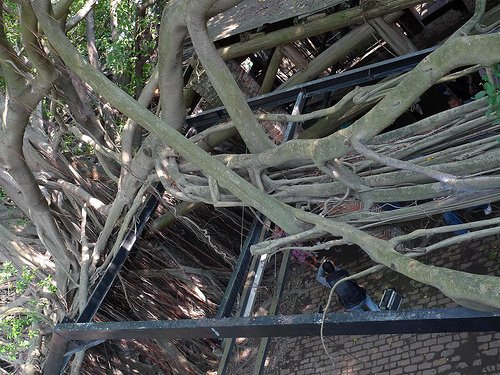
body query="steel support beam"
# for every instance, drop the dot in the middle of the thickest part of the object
(240, 270)
(348, 323)
(55, 359)
(60, 350)
(278, 292)
(291, 127)
(257, 267)
(350, 78)
(246, 300)
(285, 261)
(106, 281)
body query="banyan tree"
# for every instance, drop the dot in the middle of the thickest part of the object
(96, 98)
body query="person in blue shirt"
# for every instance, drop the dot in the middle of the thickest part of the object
(351, 295)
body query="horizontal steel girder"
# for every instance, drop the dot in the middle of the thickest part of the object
(348, 323)
(400, 64)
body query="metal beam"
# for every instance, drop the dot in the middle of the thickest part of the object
(246, 300)
(257, 267)
(285, 260)
(55, 358)
(106, 281)
(236, 281)
(278, 292)
(291, 127)
(348, 323)
(353, 77)
(257, 278)
(60, 350)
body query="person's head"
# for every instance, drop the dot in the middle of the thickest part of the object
(454, 101)
(328, 266)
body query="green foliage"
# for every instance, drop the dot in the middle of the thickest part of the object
(48, 285)
(11, 30)
(67, 142)
(7, 270)
(17, 329)
(27, 277)
(491, 85)
(136, 36)
(72, 145)
(11, 22)
(22, 222)
(19, 326)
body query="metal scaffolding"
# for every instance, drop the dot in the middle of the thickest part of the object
(347, 323)
(70, 337)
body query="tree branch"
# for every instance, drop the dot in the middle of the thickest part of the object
(226, 178)
(445, 178)
(223, 82)
(479, 292)
(80, 15)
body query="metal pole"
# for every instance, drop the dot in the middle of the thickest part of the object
(347, 323)
(55, 358)
(106, 281)
(245, 300)
(255, 285)
(204, 120)
(278, 292)
(240, 270)
(285, 260)
(60, 357)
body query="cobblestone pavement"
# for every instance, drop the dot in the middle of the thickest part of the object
(427, 354)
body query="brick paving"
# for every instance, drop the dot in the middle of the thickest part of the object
(427, 354)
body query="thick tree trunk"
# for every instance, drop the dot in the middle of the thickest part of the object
(11, 141)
